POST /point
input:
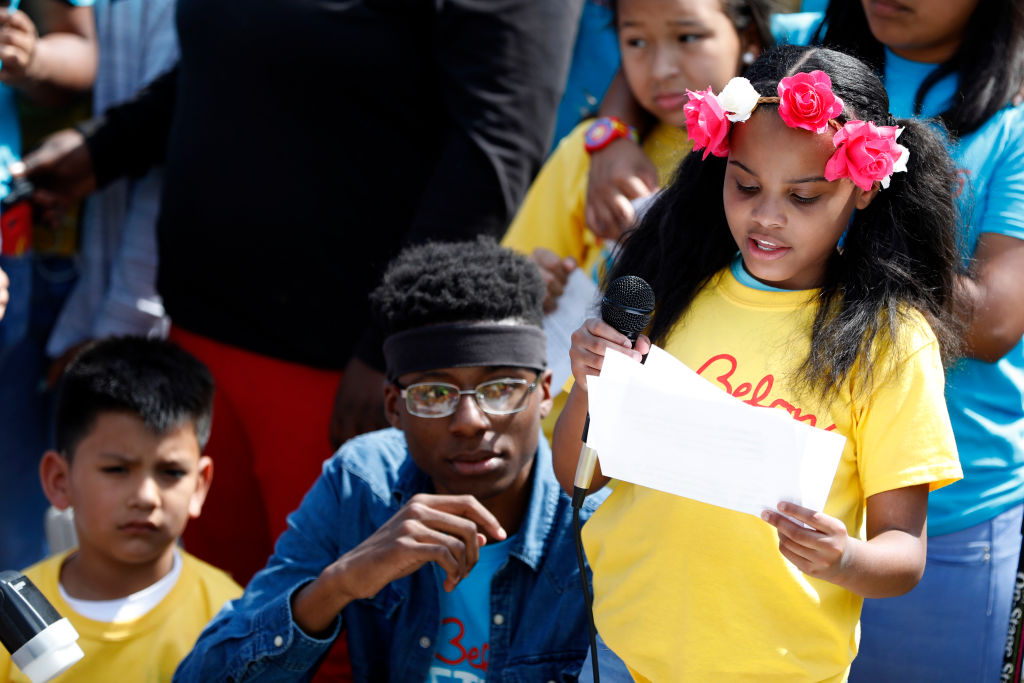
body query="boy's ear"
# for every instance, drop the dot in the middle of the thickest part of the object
(392, 396)
(866, 198)
(204, 476)
(55, 475)
(546, 399)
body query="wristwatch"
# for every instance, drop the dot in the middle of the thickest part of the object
(604, 130)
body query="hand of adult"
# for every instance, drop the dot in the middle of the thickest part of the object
(448, 530)
(554, 270)
(61, 170)
(18, 38)
(618, 173)
(5, 294)
(359, 403)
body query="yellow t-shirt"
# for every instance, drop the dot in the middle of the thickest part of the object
(552, 213)
(686, 591)
(143, 650)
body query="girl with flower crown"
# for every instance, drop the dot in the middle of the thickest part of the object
(803, 258)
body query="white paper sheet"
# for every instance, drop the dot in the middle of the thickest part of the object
(578, 302)
(663, 426)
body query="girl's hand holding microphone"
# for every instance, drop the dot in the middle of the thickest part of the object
(588, 348)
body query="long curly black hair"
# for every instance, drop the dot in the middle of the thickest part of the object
(900, 253)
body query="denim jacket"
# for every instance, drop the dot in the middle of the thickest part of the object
(538, 625)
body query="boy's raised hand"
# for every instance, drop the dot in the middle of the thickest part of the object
(824, 551)
(448, 530)
(18, 38)
(589, 342)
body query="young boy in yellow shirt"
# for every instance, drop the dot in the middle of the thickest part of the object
(133, 416)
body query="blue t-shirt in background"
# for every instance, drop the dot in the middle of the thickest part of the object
(985, 400)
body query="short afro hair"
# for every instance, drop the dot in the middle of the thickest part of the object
(471, 281)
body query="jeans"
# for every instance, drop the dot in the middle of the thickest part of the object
(952, 626)
(610, 667)
(39, 286)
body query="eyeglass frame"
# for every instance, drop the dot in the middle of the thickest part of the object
(402, 391)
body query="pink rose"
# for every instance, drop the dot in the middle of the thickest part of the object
(806, 101)
(706, 123)
(866, 153)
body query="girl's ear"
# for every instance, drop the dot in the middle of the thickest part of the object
(866, 198)
(55, 475)
(750, 43)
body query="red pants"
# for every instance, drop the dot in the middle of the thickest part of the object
(269, 440)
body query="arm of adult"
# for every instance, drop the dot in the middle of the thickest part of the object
(889, 563)
(290, 613)
(126, 140)
(994, 293)
(61, 62)
(621, 171)
(586, 355)
(503, 66)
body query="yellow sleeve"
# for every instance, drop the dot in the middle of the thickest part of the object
(5, 666)
(552, 214)
(905, 437)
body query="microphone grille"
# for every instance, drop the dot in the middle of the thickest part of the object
(627, 305)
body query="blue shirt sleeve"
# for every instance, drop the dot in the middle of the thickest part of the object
(255, 636)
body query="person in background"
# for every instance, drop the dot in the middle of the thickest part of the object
(48, 57)
(291, 177)
(115, 293)
(962, 62)
(133, 416)
(442, 546)
(667, 48)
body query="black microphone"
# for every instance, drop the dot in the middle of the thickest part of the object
(627, 306)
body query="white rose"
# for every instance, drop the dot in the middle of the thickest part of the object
(738, 97)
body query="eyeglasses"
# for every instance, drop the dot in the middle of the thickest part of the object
(495, 397)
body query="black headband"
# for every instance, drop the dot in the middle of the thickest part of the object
(460, 345)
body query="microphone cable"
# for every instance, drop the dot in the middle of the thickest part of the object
(627, 306)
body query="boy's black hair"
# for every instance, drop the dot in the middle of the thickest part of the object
(989, 62)
(900, 252)
(152, 379)
(441, 282)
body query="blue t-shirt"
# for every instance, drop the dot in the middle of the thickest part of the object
(985, 400)
(463, 641)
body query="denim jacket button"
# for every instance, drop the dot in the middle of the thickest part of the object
(278, 641)
(499, 619)
(424, 642)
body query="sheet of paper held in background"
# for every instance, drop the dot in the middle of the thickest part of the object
(662, 426)
(578, 302)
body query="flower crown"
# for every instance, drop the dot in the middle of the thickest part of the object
(864, 152)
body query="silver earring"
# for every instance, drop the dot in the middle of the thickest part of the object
(748, 58)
